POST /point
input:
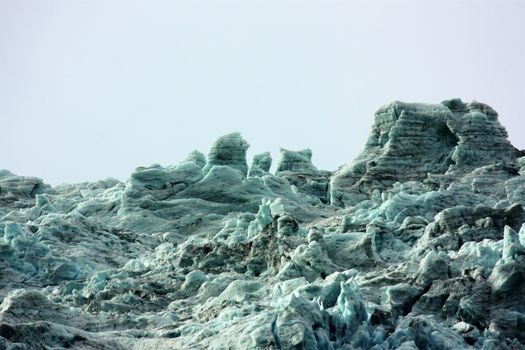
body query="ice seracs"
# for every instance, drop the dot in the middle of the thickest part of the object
(417, 141)
(419, 243)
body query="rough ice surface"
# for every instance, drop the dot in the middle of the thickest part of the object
(419, 243)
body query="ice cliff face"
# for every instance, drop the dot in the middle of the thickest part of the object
(418, 142)
(418, 243)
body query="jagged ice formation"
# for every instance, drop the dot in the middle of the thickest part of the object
(419, 243)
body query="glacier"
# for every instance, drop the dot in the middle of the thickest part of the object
(418, 243)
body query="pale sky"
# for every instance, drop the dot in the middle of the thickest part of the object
(93, 89)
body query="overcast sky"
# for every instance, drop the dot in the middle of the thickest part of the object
(93, 89)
